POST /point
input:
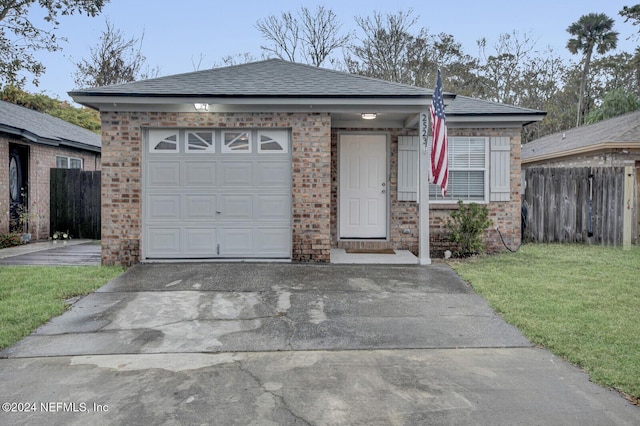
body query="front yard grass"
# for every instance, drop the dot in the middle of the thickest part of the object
(32, 295)
(580, 302)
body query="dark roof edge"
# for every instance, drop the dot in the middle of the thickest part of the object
(497, 114)
(211, 95)
(47, 141)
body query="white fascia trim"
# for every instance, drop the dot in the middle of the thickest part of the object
(143, 103)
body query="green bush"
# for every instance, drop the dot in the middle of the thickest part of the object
(466, 226)
(10, 240)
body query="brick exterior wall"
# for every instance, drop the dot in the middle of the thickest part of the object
(122, 143)
(42, 158)
(314, 184)
(404, 214)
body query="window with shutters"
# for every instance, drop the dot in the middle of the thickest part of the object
(468, 171)
(479, 170)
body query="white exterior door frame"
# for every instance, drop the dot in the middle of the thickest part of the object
(363, 186)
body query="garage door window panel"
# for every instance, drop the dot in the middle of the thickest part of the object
(201, 142)
(273, 141)
(237, 142)
(163, 141)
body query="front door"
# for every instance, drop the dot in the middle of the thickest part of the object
(363, 186)
(18, 188)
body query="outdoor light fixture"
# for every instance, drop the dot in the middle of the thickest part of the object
(369, 115)
(201, 107)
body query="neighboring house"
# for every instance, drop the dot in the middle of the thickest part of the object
(606, 144)
(609, 143)
(275, 159)
(32, 143)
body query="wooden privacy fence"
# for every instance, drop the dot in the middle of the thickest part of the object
(75, 202)
(574, 205)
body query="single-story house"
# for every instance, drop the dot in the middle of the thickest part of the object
(32, 143)
(275, 159)
(611, 143)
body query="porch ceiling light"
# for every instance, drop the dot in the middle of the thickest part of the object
(369, 115)
(201, 107)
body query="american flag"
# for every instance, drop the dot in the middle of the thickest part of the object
(439, 151)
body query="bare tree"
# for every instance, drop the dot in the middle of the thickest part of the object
(388, 48)
(310, 36)
(115, 60)
(382, 48)
(240, 58)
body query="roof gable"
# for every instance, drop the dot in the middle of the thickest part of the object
(44, 128)
(623, 129)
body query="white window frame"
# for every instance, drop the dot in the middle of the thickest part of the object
(68, 160)
(450, 199)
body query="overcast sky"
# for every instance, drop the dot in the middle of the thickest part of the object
(178, 33)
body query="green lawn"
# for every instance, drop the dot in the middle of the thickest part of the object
(580, 302)
(31, 295)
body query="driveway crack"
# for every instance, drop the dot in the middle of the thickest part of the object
(273, 394)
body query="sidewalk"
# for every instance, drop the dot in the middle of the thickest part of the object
(68, 252)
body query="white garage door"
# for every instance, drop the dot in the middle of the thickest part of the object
(217, 193)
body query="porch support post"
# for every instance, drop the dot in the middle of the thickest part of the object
(627, 216)
(424, 257)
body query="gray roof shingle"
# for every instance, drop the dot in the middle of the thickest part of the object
(279, 79)
(464, 105)
(273, 78)
(621, 129)
(44, 128)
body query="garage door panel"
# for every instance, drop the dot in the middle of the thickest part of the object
(273, 173)
(163, 174)
(273, 241)
(163, 242)
(200, 173)
(274, 207)
(236, 174)
(200, 208)
(163, 207)
(236, 207)
(236, 241)
(200, 242)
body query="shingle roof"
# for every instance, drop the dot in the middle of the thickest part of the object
(44, 128)
(464, 105)
(623, 129)
(273, 78)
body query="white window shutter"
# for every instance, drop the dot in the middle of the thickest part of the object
(500, 169)
(408, 168)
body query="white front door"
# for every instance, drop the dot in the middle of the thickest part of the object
(363, 186)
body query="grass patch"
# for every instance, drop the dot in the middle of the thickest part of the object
(580, 302)
(32, 295)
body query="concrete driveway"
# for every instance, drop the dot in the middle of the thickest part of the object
(292, 344)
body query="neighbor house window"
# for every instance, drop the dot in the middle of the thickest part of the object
(63, 162)
(468, 171)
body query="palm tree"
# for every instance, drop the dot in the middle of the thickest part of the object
(594, 30)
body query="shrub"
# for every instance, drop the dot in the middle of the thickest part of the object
(10, 240)
(466, 226)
